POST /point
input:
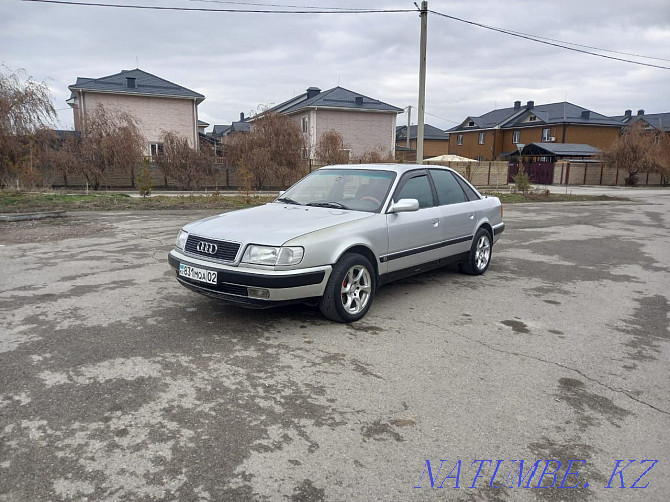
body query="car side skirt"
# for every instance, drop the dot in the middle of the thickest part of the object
(424, 267)
(423, 249)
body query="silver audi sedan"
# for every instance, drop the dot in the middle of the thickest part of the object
(337, 235)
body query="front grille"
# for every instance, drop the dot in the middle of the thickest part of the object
(226, 251)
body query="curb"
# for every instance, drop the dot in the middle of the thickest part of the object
(32, 216)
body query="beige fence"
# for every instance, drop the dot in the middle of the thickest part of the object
(478, 173)
(492, 173)
(223, 178)
(596, 173)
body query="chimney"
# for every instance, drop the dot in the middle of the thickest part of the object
(359, 100)
(640, 113)
(312, 92)
(628, 113)
(241, 116)
(517, 105)
(530, 105)
(130, 82)
(586, 114)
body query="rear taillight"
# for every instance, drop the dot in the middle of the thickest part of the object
(501, 211)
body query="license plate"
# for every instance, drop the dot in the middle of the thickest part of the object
(197, 274)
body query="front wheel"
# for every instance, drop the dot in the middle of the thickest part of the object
(480, 254)
(350, 289)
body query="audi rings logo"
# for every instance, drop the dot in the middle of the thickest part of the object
(207, 247)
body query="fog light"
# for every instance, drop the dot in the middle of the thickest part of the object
(258, 293)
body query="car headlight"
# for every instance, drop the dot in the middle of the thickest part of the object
(279, 256)
(181, 239)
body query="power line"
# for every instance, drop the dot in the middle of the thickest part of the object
(298, 9)
(242, 11)
(441, 118)
(590, 46)
(538, 40)
(230, 2)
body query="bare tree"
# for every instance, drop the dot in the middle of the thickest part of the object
(60, 155)
(662, 157)
(182, 164)
(25, 107)
(110, 140)
(376, 157)
(330, 149)
(270, 153)
(633, 151)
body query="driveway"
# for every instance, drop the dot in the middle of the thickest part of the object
(118, 384)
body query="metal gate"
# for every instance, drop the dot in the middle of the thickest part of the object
(540, 173)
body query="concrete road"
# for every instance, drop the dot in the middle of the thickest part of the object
(118, 384)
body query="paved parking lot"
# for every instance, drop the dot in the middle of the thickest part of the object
(118, 384)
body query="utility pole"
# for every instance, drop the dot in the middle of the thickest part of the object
(422, 82)
(409, 123)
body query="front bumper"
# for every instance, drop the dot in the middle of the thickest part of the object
(497, 231)
(233, 283)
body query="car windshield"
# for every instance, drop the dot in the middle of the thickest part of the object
(355, 189)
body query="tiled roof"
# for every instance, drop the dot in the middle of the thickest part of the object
(337, 97)
(429, 132)
(660, 121)
(144, 84)
(220, 129)
(564, 149)
(552, 113)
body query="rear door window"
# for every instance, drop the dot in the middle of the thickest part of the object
(449, 191)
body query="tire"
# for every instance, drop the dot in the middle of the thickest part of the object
(480, 254)
(350, 289)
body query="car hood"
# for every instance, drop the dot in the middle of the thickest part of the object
(272, 224)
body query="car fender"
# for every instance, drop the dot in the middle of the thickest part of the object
(325, 247)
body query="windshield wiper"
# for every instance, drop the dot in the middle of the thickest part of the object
(288, 200)
(335, 205)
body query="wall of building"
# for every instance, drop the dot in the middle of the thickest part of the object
(362, 131)
(431, 147)
(471, 147)
(501, 140)
(600, 137)
(154, 114)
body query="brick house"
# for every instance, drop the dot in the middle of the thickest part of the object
(658, 121)
(157, 104)
(365, 123)
(497, 133)
(435, 141)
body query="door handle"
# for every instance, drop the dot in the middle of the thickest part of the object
(436, 223)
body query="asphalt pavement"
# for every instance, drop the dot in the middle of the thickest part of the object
(116, 383)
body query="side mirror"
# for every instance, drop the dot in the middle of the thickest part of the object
(404, 206)
(281, 192)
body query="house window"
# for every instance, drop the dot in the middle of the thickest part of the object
(516, 137)
(546, 134)
(471, 124)
(304, 124)
(156, 149)
(532, 118)
(482, 137)
(305, 155)
(459, 140)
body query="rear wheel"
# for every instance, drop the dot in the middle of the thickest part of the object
(350, 289)
(480, 254)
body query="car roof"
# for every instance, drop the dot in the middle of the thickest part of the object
(397, 168)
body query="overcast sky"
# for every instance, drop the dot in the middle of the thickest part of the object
(243, 61)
